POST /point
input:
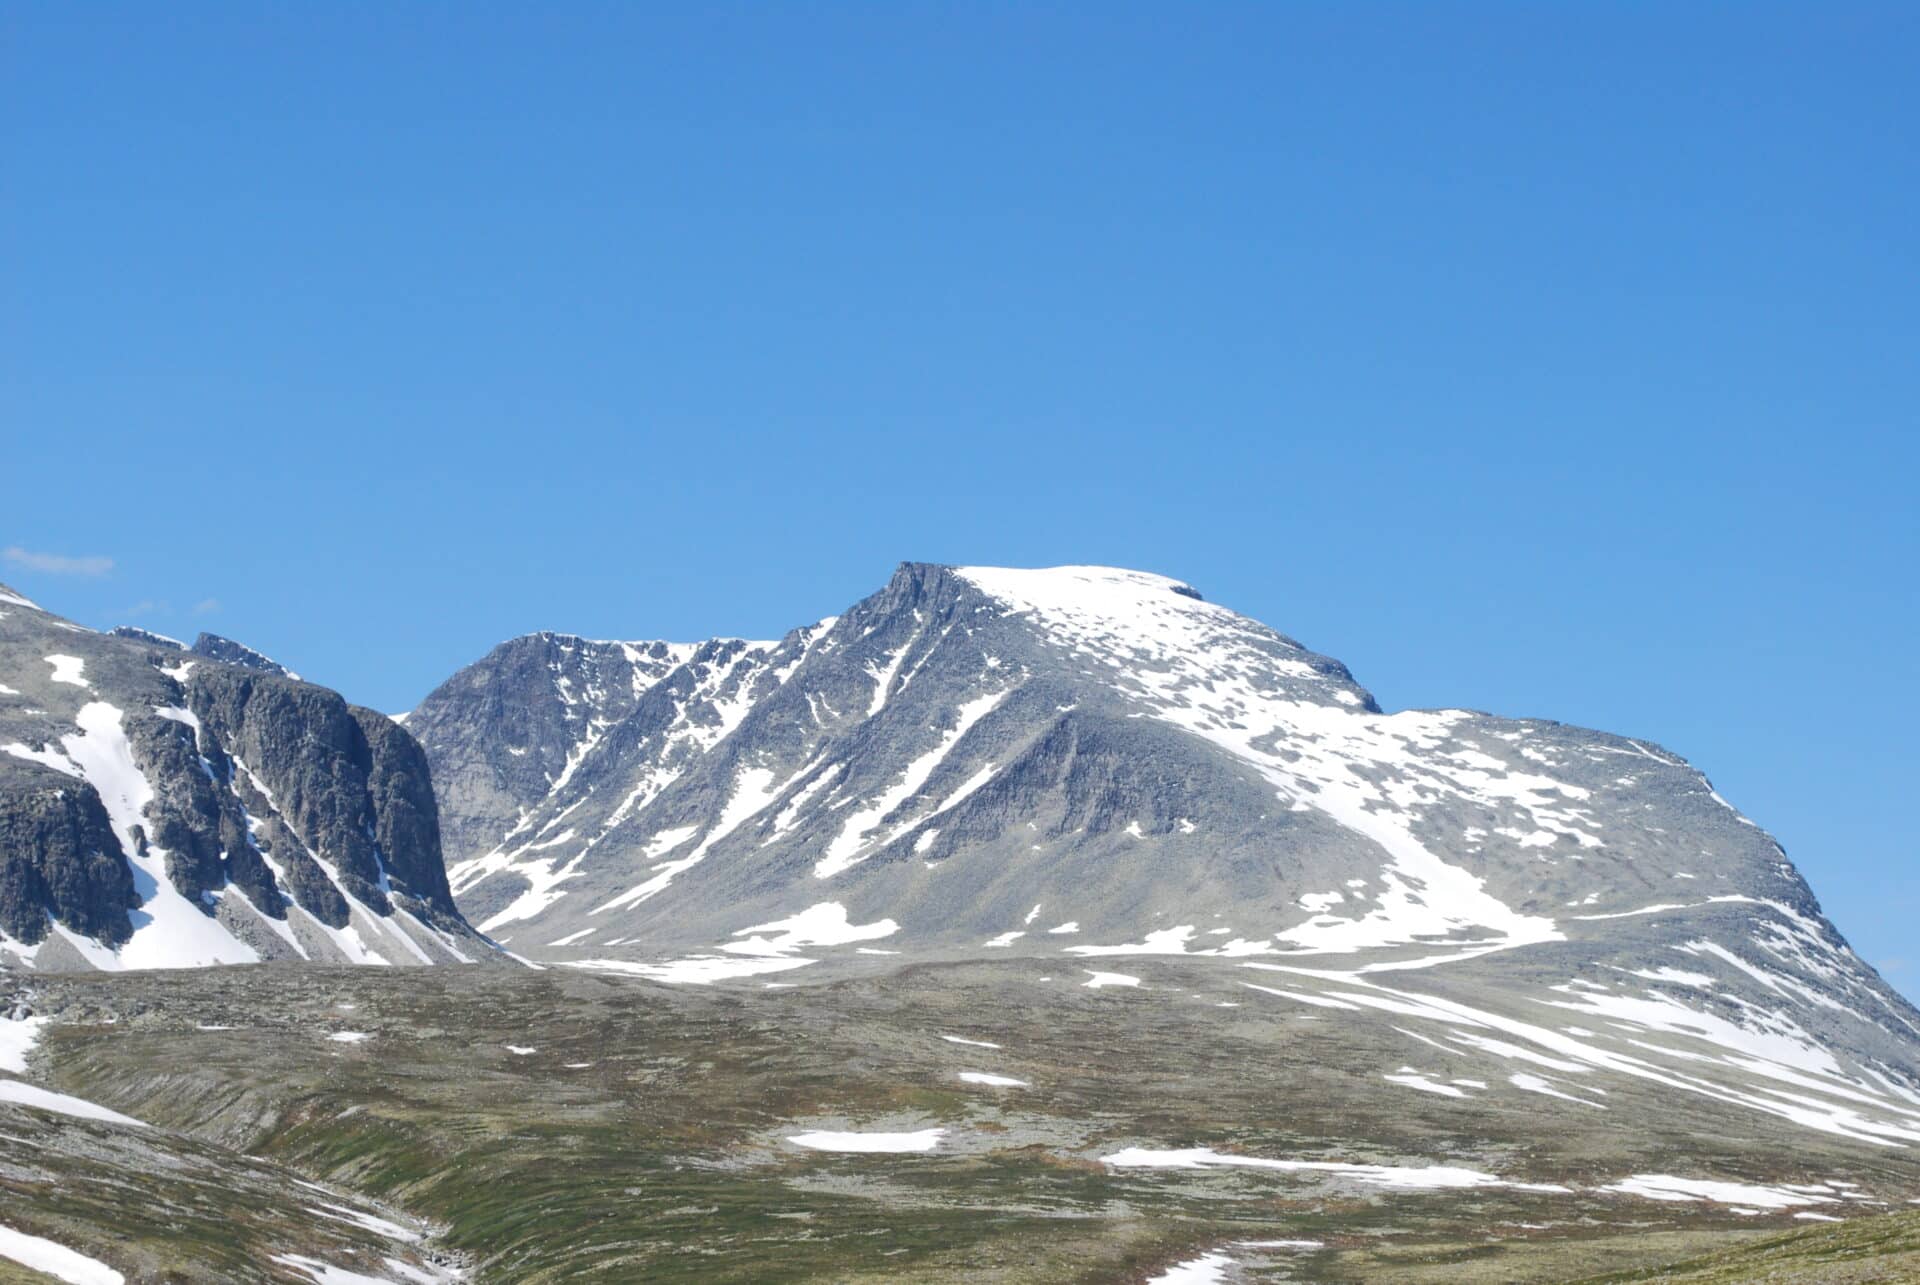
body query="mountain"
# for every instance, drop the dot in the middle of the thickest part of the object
(1089, 763)
(163, 806)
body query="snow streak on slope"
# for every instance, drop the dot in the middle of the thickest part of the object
(1768, 1065)
(855, 838)
(752, 791)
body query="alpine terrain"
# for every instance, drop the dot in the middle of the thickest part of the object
(1013, 925)
(164, 807)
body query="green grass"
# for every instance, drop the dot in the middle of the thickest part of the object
(1886, 1248)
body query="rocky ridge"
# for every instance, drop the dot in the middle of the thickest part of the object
(163, 807)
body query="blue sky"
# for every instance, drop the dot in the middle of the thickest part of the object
(1553, 360)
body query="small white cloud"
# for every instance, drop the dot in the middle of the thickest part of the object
(146, 607)
(206, 606)
(1895, 965)
(56, 564)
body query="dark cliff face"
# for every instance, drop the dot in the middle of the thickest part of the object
(303, 746)
(406, 818)
(134, 770)
(62, 860)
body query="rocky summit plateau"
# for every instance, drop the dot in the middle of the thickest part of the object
(1011, 925)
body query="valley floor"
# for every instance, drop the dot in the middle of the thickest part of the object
(1011, 1121)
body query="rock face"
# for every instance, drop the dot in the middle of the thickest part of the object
(1090, 763)
(214, 647)
(516, 722)
(162, 808)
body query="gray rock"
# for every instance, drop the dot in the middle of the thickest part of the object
(296, 825)
(227, 651)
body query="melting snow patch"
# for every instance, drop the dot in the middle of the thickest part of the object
(327, 1274)
(979, 1044)
(1419, 1080)
(29, 1095)
(822, 924)
(1433, 1177)
(366, 1221)
(1536, 1084)
(17, 1040)
(695, 970)
(1096, 980)
(69, 669)
(996, 1081)
(56, 1260)
(349, 1037)
(1208, 1269)
(1660, 1186)
(521, 1050)
(1004, 939)
(922, 1140)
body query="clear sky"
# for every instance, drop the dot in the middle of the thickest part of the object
(1556, 360)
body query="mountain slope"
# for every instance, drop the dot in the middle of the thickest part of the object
(161, 807)
(1096, 764)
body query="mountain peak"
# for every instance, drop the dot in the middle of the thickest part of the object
(135, 633)
(215, 647)
(10, 597)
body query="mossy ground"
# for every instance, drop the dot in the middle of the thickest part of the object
(646, 1136)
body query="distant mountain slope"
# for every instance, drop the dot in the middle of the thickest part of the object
(162, 808)
(1092, 763)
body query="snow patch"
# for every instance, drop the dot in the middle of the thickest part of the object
(69, 669)
(1095, 980)
(921, 1140)
(824, 923)
(51, 1257)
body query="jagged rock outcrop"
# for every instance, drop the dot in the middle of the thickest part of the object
(161, 807)
(229, 652)
(67, 864)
